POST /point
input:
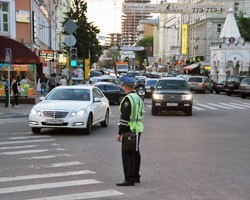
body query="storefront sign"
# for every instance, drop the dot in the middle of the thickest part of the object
(23, 16)
(23, 68)
(47, 54)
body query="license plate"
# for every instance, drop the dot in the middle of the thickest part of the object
(194, 83)
(172, 104)
(54, 121)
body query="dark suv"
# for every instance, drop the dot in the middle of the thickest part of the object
(232, 84)
(172, 94)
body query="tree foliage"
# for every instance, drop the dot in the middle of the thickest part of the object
(146, 42)
(244, 26)
(86, 33)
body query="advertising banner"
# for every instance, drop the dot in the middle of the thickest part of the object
(184, 42)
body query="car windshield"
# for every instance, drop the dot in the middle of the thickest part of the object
(233, 78)
(150, 82)
(246, 81)
(172, 85)
(195, 79)
(66, 94)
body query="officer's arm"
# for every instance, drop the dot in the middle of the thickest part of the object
(125, 110)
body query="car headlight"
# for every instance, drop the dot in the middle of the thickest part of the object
(158, 96)
(78, 113)
(187, 97)
(35, 112)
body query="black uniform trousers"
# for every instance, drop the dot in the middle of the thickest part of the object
(131, 163)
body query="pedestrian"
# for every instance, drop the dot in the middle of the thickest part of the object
(63, 81)
(43, 81)
(15, 85)
(130, 122)
(52, 82)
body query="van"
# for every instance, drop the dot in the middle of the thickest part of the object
(200, 84)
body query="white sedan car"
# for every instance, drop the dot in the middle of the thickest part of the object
(78, 107)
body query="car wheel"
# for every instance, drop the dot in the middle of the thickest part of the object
(106, 120)
(217, 92)
(243, 96)
(189, 112)
(153, 111)
(229, 93)
(36, 130)
(88, 129)
(211, 91)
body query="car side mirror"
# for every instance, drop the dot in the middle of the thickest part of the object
(97, 100)
(41, 98)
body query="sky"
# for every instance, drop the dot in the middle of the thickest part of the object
(106, 14)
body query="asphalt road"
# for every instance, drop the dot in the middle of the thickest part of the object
(201, 157)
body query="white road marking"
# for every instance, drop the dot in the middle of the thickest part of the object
(206, 106)
(220, 106)
(28, 137)
(233, 106)
(26, 141)
(197, 108)
(47, 186)
(50, 175)
(23, 152)
(242, 105)
(66, 164)
(46, 157)
(86, 195)
(18, 147)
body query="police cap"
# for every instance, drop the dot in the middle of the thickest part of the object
(126, 80)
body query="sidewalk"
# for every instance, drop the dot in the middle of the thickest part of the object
(22, 111)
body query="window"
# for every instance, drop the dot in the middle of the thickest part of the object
(218, 28)
(97, 93)
(4, 17)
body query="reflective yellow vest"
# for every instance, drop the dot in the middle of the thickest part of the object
(135, 117)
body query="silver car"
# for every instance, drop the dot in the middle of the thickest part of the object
(77, 107)
(200, 84)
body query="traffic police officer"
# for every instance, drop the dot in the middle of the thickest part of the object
(130, 121)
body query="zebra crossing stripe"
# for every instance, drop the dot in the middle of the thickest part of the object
(54, 165)
(26, 141)
(233, 106)
(46, 157)
(197, 108)
(206, 106)
(50, 175)
(47, 186)
(220, 106)
(242, 105)
(27, 137)
(23, 152)
(18, 147)
(86, 195)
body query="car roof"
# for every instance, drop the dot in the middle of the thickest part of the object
(104, 83)
(75, 87)
(172, 78)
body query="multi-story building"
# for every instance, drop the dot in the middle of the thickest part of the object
(113, 40)
(130, 22)
(31, 27)
(146, 28)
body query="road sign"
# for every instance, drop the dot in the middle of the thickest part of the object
(132, 48)
(69, 26)
(173, 8)
(8, 55)
(70, 40)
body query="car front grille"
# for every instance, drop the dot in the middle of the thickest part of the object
(55, 114)
(172, 97)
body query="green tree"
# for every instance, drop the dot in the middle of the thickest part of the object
(146, 42)
(244, 26)
(86, 33)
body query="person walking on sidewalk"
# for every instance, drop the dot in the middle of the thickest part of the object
(43, 81)
(15, 85)
(6, 89)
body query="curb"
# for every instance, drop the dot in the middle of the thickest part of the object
(10, 115)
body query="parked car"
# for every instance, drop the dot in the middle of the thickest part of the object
(244, 88)
(113, 92)
(219, 86)
(232, 84)
(200, 84)
(76, 107)
(149, 86)
(172, 94)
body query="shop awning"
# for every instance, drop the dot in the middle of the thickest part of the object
(191, 67)
(20, 53)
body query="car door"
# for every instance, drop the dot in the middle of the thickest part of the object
(99, 108)
(112, 92)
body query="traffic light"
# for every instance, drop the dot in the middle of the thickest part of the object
(73, 57)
